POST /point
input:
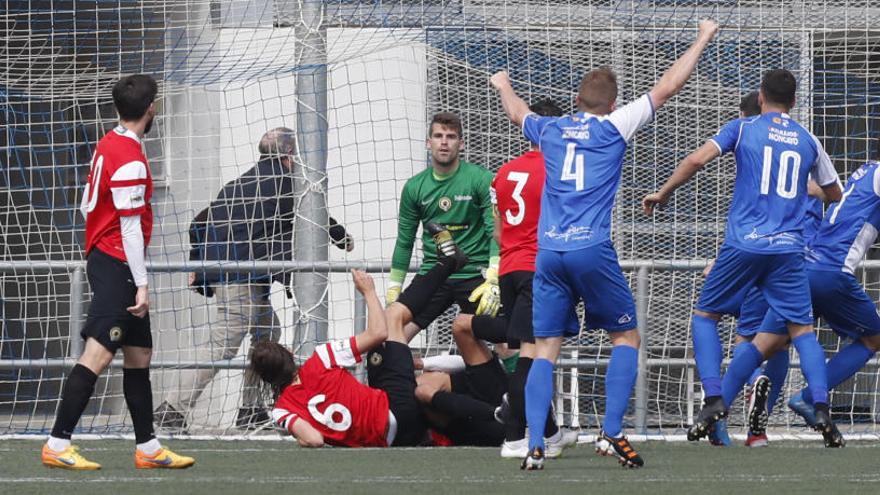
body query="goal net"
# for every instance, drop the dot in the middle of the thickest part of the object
(358, 81)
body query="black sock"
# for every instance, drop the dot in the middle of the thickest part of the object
(459, 406)
(75, 397)
(516, 423)
(422, 290)
(515, 426)
(139, 397)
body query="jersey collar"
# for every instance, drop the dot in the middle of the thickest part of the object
(123, 131)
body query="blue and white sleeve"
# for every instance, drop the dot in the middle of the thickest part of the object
(728, 136)
(633, 116)
(533, 126)
(823, 171)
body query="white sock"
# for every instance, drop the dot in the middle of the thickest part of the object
(58, 444)
(150, 447)
(447, 363)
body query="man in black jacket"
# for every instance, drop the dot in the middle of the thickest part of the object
(251, 219)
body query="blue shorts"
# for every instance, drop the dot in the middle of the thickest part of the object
(592, 274)
(779, 277)
(752, 312)
(840, 300)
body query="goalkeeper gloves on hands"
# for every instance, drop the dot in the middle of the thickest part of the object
(488, 294)
(392, 293)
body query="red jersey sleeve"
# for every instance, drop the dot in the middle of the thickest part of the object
(338, 353)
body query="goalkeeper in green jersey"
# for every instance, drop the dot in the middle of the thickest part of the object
(454, 194)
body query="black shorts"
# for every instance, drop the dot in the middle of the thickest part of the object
(514, 324)
(486, 382)
(452, 291)
(113, 289)
(390, 368)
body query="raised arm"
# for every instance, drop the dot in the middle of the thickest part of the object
(676, 76)
(515, 107)
(377, 328)
(683, 173)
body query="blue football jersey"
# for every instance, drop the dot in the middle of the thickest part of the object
(813, 218)
(850, 226)
(774, 159)
(583, 154)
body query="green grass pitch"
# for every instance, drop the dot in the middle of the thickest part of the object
(246, 467)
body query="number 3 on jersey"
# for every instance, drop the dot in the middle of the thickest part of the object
(520, 178)
(326, 418)
(573, 168)
(788, 159)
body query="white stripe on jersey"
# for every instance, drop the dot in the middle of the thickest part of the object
(859, 247)
(337, 353)
(283, 418)
(132, 196)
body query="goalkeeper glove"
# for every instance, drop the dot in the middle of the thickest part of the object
(392, 293)
(488, 294)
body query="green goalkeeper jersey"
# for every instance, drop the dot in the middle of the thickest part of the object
(461, 202)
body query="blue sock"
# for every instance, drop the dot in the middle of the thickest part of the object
(758, 371)
(707, 353)
(845, 364)
(539, 393)
(813, 366)
(619, 381)
(740, 369)
(776, 370)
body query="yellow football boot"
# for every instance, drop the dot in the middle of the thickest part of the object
(68, 458)
(163, 459)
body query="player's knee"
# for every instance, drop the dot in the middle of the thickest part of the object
(425, 393)
(629, 338)
(872, 343)
(462, 325)
(95, 357)
(706, 314)
(136, 357)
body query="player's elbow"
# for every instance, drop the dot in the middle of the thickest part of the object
(833, 194)
(311, 441)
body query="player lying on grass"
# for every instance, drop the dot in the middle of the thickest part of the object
(763, 245)
(576, 260)
(848, 229)
(322, 403)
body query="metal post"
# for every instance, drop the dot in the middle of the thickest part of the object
(74, 340)
(310, 234)
(641, 391)
(360, 323)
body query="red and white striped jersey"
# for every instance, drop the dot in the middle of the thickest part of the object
(119, 185)
(345, 411)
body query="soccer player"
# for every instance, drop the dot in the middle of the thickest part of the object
(119, 221)
(848, 229)
(516, 193)
(584, 156)
(766, 384)
(453, 193)
(321, 403)
(763, 245)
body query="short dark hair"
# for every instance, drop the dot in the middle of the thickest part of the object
(749, 105)
(446, 119)
(545, 107)
(274, 364)
(779, 86)
(598, 88)
(133, 95)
